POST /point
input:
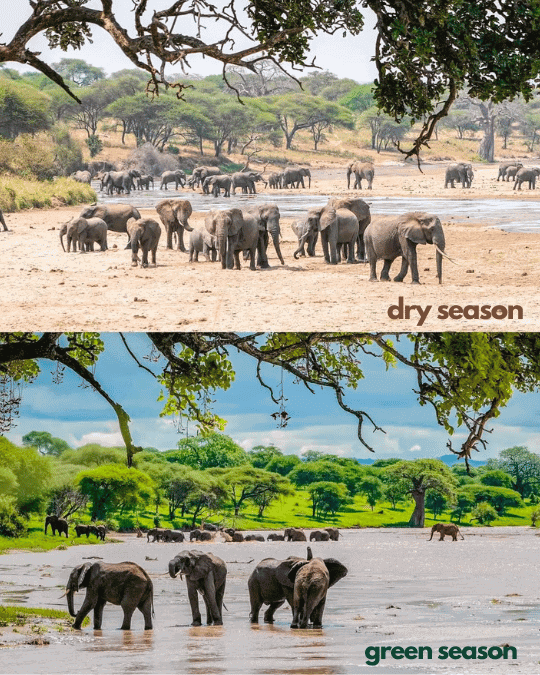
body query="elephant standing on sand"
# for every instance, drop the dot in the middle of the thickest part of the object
(201, 241)
(267, 216)
(85, 232)
(294, 534)
(125, 584)
(306, 235)
(226, 226)
(3, 222)
(214, 185)
(174, 214)
(504, 170)
(244, 181)
(275, 180)
(362, 171)
(116, 216)
(460, 172)
(336, 226)
(57, 524)
(201, 172)
(361, 210)
(294, 177)
(144, 233)
(390, 237)
(205, 573)
(446, 529)
(527, 175)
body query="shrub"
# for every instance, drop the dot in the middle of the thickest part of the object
(12, 523)
(484, 513)
(95, 145)
(535, 517)
(127, 524)
(111, 524)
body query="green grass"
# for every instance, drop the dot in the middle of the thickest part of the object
(17, 194)
(19, 616)
(37, 541)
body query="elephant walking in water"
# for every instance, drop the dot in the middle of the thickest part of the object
(125, 584)
(446, 529)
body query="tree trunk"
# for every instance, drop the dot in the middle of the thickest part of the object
(487, 144)
(419, 514)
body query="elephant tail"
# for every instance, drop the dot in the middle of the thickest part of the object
(224, 605)
(462, 537)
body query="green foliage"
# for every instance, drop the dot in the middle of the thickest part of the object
(283, 464)
(500, 498)
(68, 154)
(79, 72)
(358, 98)
(464, 503)
(204, 452)
(496, 478)
(17, 194)
(260, 455)
(522, 465)
(246, 483)
(32, 472)
(372, 487)
(328, 497)
(12, 523)
(436, 503)
(93, 455)
(95, 144)
(23, 109)
(484, 513)
(45, 443)
(535, 516)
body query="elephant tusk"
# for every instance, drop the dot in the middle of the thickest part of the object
(446, 256)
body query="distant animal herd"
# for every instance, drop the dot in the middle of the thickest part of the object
(346, 228)
(302, 582)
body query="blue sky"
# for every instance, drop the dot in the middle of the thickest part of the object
(345, 56)
(79, 415)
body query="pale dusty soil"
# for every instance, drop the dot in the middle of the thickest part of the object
(43, 288)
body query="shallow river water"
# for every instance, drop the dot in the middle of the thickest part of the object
(401, 590)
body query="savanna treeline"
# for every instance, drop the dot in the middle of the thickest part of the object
(212, 478)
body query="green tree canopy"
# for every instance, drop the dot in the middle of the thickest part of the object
(283, 464)
(524, 467)
(32, 474)
(496, 478)
(79, 72)
(328, 497)
(45, 443)
(93, 455)
(246, 483)
(204, 452)
(23, 109)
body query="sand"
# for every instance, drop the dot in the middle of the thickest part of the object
(44, 288)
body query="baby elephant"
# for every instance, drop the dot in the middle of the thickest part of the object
(446, 529)
(125, 584)
(201, 241)
(145, 233)
(85, 232)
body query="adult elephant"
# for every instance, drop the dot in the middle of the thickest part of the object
(511, 172)
(99, 530)
(362, 171)
(245, 181)
(527, 175)
(125, 584)
(116, 216)
(312, 579)
(336, 226)
(214, 185)
(460, 172)
(82, 177)
(294, 177)
(57, 524)
(145, 233)
(3, 222)
(446, 529)
(173, 535)
(200, 173)
(254, 537)
(275, 180)
(275, 537)
(201, 241)
(267, 216)
(83, 529)
(178, 177)
(84, 232)
(389, 237)
(333, 532)
(121, 181)
(226, 226)
(294, 534)
(174, 214)
(361, 210)
(318, 535)
(156, 533)
(505, 166)
(144, 182)
(205, 573)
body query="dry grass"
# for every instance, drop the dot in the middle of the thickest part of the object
(17, 194)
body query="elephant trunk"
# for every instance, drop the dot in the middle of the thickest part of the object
(69, 595)
(439, 243)
(223, 249)
(62, 240)
(438, 258)
(172, 569)
(273, 228)
(301, 243)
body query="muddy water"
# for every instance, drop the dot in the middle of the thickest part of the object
(401, 590)
(515, 215)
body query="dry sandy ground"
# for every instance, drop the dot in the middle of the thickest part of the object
(43, 288)
(401, 590)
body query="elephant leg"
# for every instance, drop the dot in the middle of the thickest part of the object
(169, 236)
(237, 260)
(317, 614)
(154, 250)
(128, 606)
(350, 253)
(256, 604)
(269, 614)
(98, 613)
(87, 606)
(325, 245)
(413, 262)
(181, 245)
(252, 258)
(210, 599)
(194, 603)
(403, 271)
(262, 245)
(385, 276)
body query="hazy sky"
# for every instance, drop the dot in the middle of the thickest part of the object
(79, 415)
(346, 57)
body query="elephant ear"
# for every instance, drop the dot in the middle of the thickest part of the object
(411, 229)
(210, 223)
(237, 221)
(82, 225)
(328, 218)
(283, 569)
(335, 569)
(166, 211)
(295, 569)
(83, 571)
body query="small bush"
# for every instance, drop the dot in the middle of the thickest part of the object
(535, 517)
(127, 524)
(484, 513)
(12, 523)
(112, 524)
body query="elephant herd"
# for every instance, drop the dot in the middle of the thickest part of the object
(231, 535)
(303, 582)
(462, 172)
(61, 526)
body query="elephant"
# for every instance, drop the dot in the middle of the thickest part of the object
(362, 171)
(275, 537)
(226, 226)
(503, 169)
(156, 533)
(194, 534)
(527, 175)
(57, 524)
(460, 172)
(178, 177)
(202, 172)
(312, 579)
(207, 574)
(173, 535)
(84, 232)
(306, 235)
(337, 226)
(82, 177)
(254, 537)
(115, 215)
(275, 180)
(317, 535)
(174, 214)
(244, 181)
(144, 182)
(295, 177)
(198, 535)
(3, 222)
(125, 584)
(144, 233)
(101, 531)
(84, 529)
(446, 529)
(234, 534)
(511, 172)
(389, 237)
(201, 241)
(294, 534)
(214, 185)
(121, 181)
(361, 210)
(211, 527)
(333, 532)
(267, 216)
